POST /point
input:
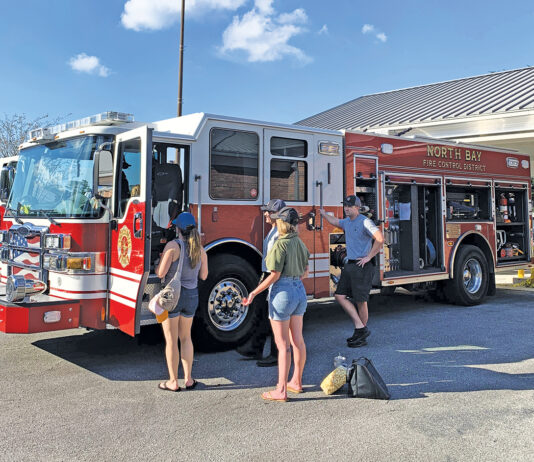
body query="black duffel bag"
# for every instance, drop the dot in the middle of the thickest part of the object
(364, 381)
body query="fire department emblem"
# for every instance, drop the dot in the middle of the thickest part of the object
(124, 246)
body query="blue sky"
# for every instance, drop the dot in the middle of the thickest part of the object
(277, 60)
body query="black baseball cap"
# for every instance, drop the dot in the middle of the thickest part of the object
(274, 205)
(352, 201)
(287, 214)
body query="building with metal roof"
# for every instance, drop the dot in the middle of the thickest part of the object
(494, 109)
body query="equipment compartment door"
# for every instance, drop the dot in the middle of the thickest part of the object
(130, 228)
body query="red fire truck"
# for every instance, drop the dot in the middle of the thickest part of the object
(91, 202)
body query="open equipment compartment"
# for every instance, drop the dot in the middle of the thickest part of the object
(511, 217)
(413, 228)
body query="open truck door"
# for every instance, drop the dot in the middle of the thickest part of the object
(130, 228)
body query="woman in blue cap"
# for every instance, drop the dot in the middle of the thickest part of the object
(178, 324)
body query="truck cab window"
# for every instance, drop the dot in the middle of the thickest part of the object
(288, 147)
(289, 178)
(234, 158)
(128, 174)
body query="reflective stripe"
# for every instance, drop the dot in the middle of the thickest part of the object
(126, 274)
(122, 301)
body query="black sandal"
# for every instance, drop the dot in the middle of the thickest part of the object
(163, 386)
(193, 385)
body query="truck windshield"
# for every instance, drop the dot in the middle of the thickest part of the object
(56, 180)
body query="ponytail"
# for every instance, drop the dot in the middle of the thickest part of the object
(285, 228)
(194, 246)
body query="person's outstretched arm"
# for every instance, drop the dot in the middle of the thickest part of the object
(331, 219)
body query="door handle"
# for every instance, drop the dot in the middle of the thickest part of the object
(310, 225)
(319, 184)
(199, 208)
(138, 220)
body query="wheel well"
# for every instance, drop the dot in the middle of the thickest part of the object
(241, 250)
(479, 241)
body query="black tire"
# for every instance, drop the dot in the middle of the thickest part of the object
(221, 322)
(471, 277)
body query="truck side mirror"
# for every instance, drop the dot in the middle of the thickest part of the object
(103, 174)
(6, 180)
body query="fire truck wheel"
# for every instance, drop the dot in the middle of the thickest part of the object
(471, 277)
(222, 322)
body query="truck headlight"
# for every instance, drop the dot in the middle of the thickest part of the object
(54, 262)
(79, 263)
(57, 241)
(91, 262)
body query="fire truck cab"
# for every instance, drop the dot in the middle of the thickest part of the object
(92, 202)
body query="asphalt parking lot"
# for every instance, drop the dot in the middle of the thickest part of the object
(461, 379)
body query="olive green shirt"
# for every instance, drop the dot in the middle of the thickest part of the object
(288, 256)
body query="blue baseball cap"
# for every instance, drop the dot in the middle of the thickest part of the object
(185, 222)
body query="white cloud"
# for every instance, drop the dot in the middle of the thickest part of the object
(265, 6)
(370, 29)
(381, 36)
(89, 65)
(323, 30)
(159, 14)
(296, 17)
(263, 35)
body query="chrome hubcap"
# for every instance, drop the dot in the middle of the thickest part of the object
(472, 276)
(224, 304)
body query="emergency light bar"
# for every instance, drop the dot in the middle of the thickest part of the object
(40, 134)
(104, 118)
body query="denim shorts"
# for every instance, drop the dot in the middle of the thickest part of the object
(287, 297)
(187, 303)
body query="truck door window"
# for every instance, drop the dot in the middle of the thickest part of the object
(168, 161)
(289, 178)
(234, 158)
(129, 173)
(288, 147)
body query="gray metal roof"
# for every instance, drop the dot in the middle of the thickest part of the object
(484, 95)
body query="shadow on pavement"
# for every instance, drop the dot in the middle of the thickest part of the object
(418, 346)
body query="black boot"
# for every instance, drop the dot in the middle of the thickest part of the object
(359, 335)
(272, 359)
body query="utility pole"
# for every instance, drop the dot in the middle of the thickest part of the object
(181, 62)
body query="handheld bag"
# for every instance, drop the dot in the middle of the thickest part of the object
(364, 381)
(167, 298)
